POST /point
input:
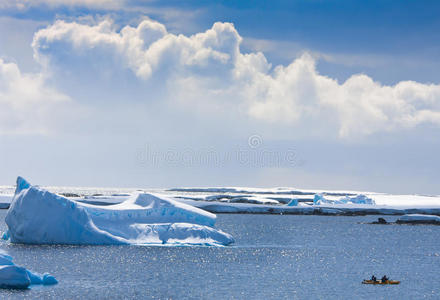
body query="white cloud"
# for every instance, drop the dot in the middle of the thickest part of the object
(26, 4)
(360, 105)
(209, 71)
(27, 105)
(146, 47)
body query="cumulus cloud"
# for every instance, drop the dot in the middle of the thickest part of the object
(360, 105)
(28, 106)
(145, 48)
(209, 70)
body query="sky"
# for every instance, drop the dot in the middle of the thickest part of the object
(310, 94)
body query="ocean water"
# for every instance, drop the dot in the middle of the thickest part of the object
(274, 257)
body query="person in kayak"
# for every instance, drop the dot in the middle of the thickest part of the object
(373, 278)
(385, 278)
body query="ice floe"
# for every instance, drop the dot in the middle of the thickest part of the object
(419, 219)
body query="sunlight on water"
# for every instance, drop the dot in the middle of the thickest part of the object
(287, 257)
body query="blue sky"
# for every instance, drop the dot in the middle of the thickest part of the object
(334, 94)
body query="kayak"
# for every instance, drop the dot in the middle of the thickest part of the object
(380, 282)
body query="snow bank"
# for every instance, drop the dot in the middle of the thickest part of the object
(358, 199)
(12, 276)
(37, 216)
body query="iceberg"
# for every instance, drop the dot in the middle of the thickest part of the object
(12, 276)
(293, 202)
(37, 216)
(358, 199)
(5, 259)
(15, 277)
(319, 199)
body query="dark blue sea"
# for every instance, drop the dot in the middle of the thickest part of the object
(274, 257)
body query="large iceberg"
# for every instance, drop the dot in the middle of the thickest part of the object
(12, 276)
(37, 216)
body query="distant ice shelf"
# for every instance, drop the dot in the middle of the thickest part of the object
(259, 200)
(37, 216)
(305, 209)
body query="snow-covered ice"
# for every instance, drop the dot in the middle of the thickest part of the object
(308, 209)
(12, 276)
(37, 216)
(418, 218)
(256, 200)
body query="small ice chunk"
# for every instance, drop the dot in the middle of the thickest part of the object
(49, 279)
(293, 202)
(35, 277)
(12, 276)
(45, 279)
(5, 259)
(5, 235)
